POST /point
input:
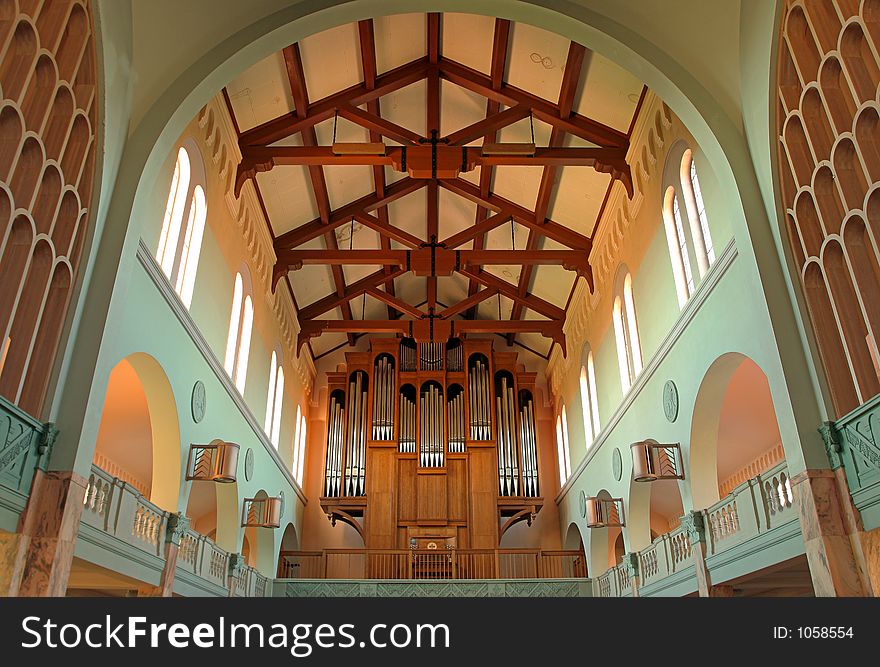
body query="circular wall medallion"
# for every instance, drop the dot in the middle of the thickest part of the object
(670, 400)
(248, 464)
(617, 465)
(198, 401)
(582, 502)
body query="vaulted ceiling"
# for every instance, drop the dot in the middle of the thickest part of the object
(472, 80)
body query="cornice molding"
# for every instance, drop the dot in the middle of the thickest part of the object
(145, 257)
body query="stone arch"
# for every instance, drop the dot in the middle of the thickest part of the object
(145, 452)
(727, 415)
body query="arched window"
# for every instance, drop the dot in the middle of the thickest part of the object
(178, 253)
(241, 322)
(275, 400)
(301, 456)
(629, 352)
(678, 249)
(562, 447)
(696, 211)
(589, 405)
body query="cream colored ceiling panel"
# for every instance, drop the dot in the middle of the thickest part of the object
(467, 38)
(552, 283)
(408, 213)
(400, 38)
(456, 215)
(406, 106)
(260, 93)
(536, 60)
(518, 184)
(459, 108)
(579, 196)
(609, 93)
(310, 283)
(331, 61)
(287, 193)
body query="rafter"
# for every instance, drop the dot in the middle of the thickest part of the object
(387, 231)
(321, 110)
(498, 204)
(500, 44)
(470, 302)
(315, 228)
(353, 291)
(573, 123)
(398, 304)
(297, 80)
(378, 125)
(532, 302)
(574, 65)
(367, 39)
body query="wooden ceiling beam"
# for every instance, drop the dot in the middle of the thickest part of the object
(367, 40)
(470, 302)
(475, 233)
(532, 302)
(574, 65)
(378, 125)
(500, 45)
(296, 78)
(353, 291)
(370, 202)
(491, 123)
(547, 328)
(432, 124)
(321, 110)
(498, 204)
(574, 123)
(398, 304)
(388, 231)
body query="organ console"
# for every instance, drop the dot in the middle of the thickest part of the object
(431, 442)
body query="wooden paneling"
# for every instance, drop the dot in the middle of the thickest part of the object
(457, 489)
(381, 520)
(483, 495)
(406, 485)
(432, 497)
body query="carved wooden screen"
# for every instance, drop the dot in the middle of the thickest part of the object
(829, 162)
(47, 167)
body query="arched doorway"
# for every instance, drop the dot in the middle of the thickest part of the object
(138, 436)
(734, 433)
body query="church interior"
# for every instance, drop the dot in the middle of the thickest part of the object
(480, 299)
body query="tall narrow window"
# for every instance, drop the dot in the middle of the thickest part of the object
(678, 249)
(696, 212)
(629, 352)
(301, 459)
(180, 244)
(295, 459)
(562, 450)
(275, 400)
(238, 343)
(589, 405)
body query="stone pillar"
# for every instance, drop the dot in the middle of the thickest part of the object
(695, 529)
(48, 527)
(236, 562)
(631, 563)
(177, 526)
(848, 524)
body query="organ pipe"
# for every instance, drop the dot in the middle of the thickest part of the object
(356, 442)
(455, 410)
(433, 441)
(384, 391)
(508, 459)
(480, 401)
(407, 355)
(335, 429)
(454, 356)
(407, 442)
(431, 356)
(529, 445)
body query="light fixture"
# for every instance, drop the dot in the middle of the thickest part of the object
(604, 512)
(653, 461)
(262, 512)
(214, 462)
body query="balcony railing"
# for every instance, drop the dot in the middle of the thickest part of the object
(428, 564)
(117, 509)
(24, 446)
(755, 507)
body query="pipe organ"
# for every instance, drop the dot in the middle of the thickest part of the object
(431, 442)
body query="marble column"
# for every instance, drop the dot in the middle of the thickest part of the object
(631, 563)
(49, 525)
(177, 526)
(833, 567)
(694, 526)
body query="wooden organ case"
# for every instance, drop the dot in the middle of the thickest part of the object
(431, 445)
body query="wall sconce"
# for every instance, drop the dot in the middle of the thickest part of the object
(653, 461)
(215, 462)
(604, 512)
(262, 512)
